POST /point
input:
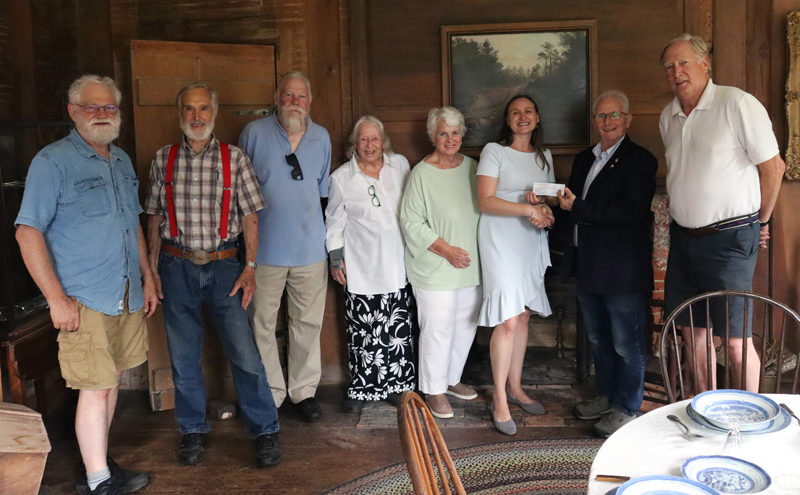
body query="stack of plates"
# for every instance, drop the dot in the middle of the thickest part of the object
(753, 413)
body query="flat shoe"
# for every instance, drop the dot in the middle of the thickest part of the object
(352, 406)
(505, 427)
(535, 408)
(393, 399)
(461, 391)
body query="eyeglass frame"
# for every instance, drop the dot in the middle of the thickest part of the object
(292, 161)
(609, 115)
(110, 109)
(374, 197)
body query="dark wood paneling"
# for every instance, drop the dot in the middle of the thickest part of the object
(397, 75)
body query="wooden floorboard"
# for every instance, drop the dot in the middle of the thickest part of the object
(316, 457)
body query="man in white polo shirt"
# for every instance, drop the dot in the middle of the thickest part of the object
(724, 173)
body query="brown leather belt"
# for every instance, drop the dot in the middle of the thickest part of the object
(199, 257)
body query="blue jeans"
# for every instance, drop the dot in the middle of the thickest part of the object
(615, 327)
(186, 288)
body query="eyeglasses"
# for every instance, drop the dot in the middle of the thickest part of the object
(611, 115)
(297, 172)
(93, 109)
(375, 201)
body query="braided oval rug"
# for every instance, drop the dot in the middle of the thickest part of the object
(543, 467)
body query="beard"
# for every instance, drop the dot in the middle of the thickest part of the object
(99, 135)
(292, 122)
(197, 134)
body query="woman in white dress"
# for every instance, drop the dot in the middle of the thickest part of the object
(514, 250)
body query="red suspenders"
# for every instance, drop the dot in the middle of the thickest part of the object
(226, 190)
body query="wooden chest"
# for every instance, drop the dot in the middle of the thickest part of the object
(23, 449)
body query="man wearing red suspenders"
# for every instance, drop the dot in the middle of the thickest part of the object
(203, 199)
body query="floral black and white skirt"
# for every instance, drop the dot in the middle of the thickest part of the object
(381, 333)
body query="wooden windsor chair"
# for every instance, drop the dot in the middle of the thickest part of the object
(775, 338)
(429, 463)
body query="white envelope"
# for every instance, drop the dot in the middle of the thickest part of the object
(547, 188)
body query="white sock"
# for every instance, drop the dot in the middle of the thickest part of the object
(97, 477)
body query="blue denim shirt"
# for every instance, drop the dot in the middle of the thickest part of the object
(291, 231)
(88, 209)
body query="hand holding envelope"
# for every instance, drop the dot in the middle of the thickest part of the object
(565, 199)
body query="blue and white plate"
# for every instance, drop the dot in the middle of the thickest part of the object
(726, 474)
(664, 485)
(780, 422)
(725, 407)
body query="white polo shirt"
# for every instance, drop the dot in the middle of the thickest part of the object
(374, 254)
(712, 155)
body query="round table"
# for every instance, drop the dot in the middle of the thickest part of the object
(653, 445)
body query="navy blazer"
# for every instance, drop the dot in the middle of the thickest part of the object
(615, 223)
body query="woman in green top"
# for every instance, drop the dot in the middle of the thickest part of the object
(439, 218)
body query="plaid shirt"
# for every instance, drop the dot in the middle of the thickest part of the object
(197, 193)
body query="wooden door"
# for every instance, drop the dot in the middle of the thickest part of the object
(245, 77)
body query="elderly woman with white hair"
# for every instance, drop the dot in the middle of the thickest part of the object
(439, 217)
(365, 247)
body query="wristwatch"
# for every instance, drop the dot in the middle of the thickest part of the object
(252, 264)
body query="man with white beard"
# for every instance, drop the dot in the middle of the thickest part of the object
(79, 234)
(291, 156)
(202, 201)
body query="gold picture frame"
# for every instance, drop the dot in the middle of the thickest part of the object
(793, 97)
(555, 62)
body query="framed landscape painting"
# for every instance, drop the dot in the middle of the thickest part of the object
(554, 62)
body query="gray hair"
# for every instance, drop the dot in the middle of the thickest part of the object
(368, 119)
(295, 74)
(696, 43)
(451, 117)
(77, 87)
(195, 85)
(615, 94)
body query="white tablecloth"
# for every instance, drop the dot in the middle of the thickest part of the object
(653, 445)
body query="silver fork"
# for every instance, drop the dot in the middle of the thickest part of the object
(686, 431)
(790, 412)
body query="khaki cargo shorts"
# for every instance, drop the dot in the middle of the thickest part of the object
(93, 356)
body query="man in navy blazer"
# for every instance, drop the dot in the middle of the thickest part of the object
(608, 196)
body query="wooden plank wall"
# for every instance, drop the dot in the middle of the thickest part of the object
(370, 56)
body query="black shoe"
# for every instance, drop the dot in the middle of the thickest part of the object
(268, 452)
(108, 487)
(393, 399)
(309, 409)
(128, 480)
(352, 406)
(193, 449)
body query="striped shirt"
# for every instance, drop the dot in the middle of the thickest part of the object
(197, 184)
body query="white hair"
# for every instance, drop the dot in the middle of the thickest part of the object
(195, 85)
(368, 119)
(615, 94)
(295, 74)
(79, 84)
(450, 115)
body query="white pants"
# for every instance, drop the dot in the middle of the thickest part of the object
(448, 321)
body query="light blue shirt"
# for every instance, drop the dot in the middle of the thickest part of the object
(291, 231)
(87, 209)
